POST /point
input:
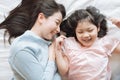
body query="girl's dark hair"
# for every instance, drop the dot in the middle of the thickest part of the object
(90, 14)
(23, 17)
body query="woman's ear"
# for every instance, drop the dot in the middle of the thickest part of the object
(41, 17)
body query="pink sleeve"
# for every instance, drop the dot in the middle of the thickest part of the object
(110, 44)
(68, 46)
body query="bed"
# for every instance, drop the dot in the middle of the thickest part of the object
(110, 8)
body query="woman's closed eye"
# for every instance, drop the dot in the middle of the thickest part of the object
(57, 23)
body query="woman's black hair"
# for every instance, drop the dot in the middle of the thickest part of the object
(90, 14)
(23, 17)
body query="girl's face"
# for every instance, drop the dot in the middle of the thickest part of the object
(86, 33)
(50, 26)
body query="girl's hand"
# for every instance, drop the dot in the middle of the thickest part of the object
(115, 21)
(60, 57)
(56, 47)
(59, 44)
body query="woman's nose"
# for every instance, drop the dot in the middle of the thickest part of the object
(58, 29)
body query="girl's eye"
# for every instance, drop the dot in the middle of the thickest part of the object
(80, 32)
(90, 30)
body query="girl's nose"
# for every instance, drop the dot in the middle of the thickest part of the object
(86, 35)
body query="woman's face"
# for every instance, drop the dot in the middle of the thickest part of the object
(86, 33)
(50, 26)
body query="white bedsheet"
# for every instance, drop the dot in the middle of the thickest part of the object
(5, 70)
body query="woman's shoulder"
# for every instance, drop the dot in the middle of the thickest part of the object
(20, 44)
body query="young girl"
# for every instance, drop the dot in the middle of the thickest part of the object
(36, 22)
(84, 55)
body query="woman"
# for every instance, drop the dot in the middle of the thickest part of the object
(36, 22)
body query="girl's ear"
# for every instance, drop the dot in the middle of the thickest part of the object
(41, 17)
(98, 29)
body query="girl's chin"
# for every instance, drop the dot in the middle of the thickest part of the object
(87, 45)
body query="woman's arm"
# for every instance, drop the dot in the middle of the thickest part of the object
(30, 68)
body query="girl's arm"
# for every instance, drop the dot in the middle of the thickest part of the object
(117, 49)
(62, 64)
(61, 59)
(117, 23)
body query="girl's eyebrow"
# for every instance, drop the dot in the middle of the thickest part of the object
(90, 28)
